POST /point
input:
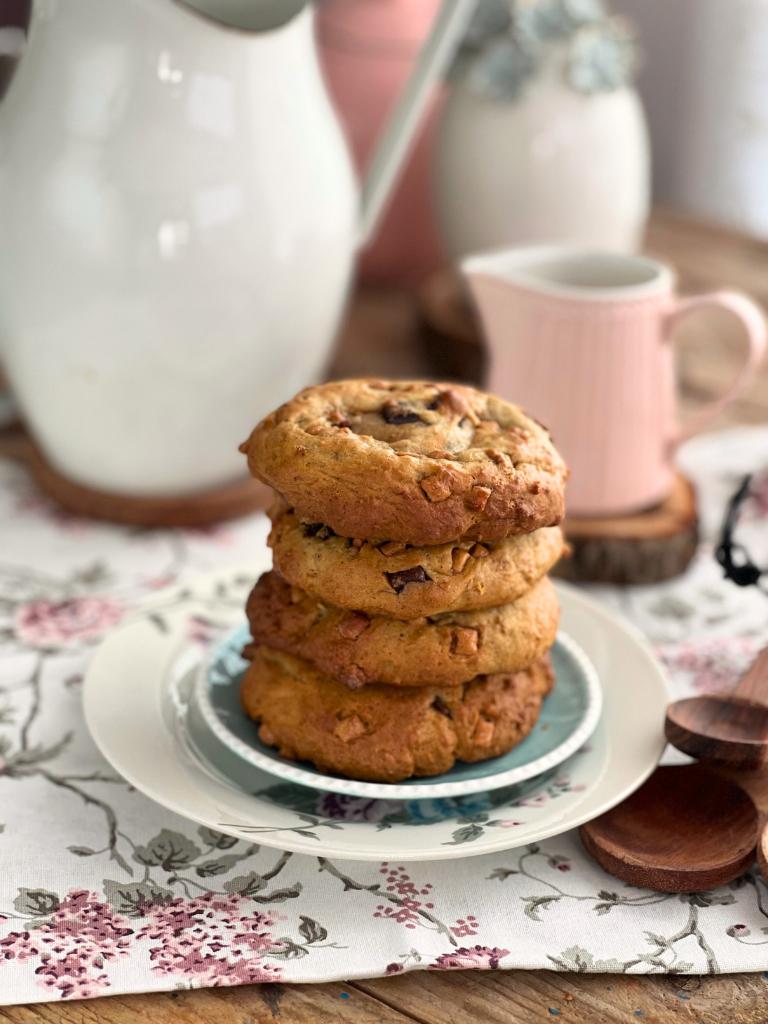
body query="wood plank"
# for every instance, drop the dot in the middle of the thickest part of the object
(485, 997)
(524, 997)
(331, 1003)
(707, 256)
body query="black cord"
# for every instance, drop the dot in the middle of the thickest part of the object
(734, 558)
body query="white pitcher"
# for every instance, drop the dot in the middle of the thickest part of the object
(178, 220)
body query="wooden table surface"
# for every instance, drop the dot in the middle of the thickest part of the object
(381, 337)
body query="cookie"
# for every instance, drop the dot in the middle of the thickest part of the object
(405, 582)
(384, 734)
(414, 462)
(359, 649)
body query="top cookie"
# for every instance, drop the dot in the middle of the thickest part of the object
(407, 461)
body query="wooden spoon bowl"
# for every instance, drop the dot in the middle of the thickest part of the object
(722, 728)
(684, 830)
(732, 727)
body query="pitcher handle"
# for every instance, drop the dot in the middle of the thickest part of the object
(398, 134)
(752, 320)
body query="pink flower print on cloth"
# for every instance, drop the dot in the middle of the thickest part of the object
(77, 620)
(481, 958)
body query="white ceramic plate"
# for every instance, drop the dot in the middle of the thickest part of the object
(137, 706)
(568, 718)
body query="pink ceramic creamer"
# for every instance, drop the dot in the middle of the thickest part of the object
(582, 340)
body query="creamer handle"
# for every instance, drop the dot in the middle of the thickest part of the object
(752, 319)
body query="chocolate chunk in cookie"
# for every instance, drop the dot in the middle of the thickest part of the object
(400, 580)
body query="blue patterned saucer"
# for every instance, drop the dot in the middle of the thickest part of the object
(568, 718)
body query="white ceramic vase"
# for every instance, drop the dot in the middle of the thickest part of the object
(552, 165)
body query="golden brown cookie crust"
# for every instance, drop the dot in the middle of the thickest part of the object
(383, 734)
(406, 582)
(412, 461)
(447, 649)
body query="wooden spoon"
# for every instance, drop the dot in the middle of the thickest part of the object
(730, 728)
(684, 830)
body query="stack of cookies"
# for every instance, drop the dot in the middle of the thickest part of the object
(407, 622)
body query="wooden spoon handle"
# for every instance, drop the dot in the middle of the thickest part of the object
(753, 685)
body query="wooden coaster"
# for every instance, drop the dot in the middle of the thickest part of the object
(686, 829)
(193, 510)
(643, 548)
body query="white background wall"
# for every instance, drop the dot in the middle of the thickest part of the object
(704, 82)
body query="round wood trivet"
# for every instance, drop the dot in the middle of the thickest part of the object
(643, 548)
(684, 830)
(192, 510)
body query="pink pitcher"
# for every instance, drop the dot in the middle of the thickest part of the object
(582, 340)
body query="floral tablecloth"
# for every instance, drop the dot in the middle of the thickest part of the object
(102, 891)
